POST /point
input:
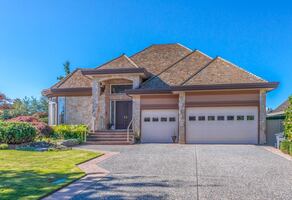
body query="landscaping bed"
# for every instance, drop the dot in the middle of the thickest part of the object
(32, 174)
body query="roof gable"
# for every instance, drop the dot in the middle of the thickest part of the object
(157, 58)
(220, 71)
(179, 72)
(74, 80)
(122, 61)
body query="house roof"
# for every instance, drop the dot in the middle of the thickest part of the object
(169, 66)
(122, 61)
(280, 109)
(156, 58)
(180, 71)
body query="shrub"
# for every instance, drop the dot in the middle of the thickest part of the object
(288, 120)
(3, 146)
(16, 132)
(42, 128)
(71, 131)
(284, 146)
(290, 148)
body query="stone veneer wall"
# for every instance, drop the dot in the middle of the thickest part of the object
(78, 110)
(262, 117)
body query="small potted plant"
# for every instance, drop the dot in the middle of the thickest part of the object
(173, 137)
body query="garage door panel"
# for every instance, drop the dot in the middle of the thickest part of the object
(222, 131)
(158, 126)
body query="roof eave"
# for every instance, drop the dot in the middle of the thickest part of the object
(235, 86)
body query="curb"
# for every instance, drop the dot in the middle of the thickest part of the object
(93, 173)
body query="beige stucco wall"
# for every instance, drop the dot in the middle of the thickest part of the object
(78, 110)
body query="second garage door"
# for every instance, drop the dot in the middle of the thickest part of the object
(159, 125)
(234, 125)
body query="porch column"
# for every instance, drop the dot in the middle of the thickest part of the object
(262, 117)
(95, 98)
(136, 115)
(182, 118)
(136, 82)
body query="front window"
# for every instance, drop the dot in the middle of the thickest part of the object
(52, 111)
(117, 89)
(61, 110)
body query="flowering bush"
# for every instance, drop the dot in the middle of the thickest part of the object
(42, 128)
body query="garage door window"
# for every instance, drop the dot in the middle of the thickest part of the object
(192, 118)
(230, 118)
(163, 119)
(240, 117)
(155, 119)
(249, 117)
(172, 119)
(211, 118)
(147, 119)
(220, 118)
(201, 118)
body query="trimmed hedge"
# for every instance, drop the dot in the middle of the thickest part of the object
(71, 131)
(16, 132)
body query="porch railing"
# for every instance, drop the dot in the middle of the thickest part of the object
(128, 129)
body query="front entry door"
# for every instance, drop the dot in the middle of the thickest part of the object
(123, 114)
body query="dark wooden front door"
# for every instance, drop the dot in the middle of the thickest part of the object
(123, 114)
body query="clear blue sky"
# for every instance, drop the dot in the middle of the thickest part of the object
(36, 37)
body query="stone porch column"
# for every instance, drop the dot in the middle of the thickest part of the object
(95, 98)
(262, 117)
(136, 115)
(182, 118)
(136, 82)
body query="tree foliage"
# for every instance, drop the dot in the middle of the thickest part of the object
(25, 106)
(288, 120)
(67, 70)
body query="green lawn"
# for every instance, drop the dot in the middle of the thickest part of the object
(31, 175)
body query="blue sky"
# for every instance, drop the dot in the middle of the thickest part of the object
(37, 37)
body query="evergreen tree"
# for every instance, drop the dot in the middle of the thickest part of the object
(67, 70)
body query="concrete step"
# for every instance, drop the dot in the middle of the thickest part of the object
(108, 136)
(108, 139)
(109, 142)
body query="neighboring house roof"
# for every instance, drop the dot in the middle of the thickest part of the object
(280, 110)
(171, 66)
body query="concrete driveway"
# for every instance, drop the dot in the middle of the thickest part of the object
(171, 171)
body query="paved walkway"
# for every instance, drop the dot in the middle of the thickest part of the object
(171, 171)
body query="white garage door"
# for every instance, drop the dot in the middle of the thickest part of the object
(222, 125)
(159, 125)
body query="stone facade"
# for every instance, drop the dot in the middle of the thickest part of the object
(136, 115)
(262, 117)
(78, 110)
(182, 118)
